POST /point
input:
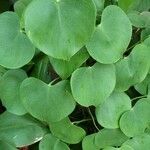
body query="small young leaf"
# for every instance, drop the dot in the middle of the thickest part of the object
(92, 85)
(67, 132)
(47, 103)
(15, 48)
(65, 27)
(50, 142)
(108, 114)
(20, 130)
(111, 37)
(9, 91)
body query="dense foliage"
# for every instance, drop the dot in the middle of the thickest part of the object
(75, 74)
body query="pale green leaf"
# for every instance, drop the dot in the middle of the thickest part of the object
(109, 137)
(20, 130)
(111, 37)
(50, 142)
(15, 48)
(48, 103)
(9, 91)
(64, 29)
(108, 114)
(67, 132)
(92, 85)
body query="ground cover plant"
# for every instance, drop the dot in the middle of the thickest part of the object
(75, 74)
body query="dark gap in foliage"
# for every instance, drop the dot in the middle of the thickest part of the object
(132, 93)
(81, 113)
(90, 62)
(76, 146)
(134, 41)
(2, 108)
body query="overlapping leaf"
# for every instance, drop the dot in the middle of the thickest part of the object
(46, 102)
(67, 132)
(108, 114)
(15, 48)
(50, 142)
(64, 29)
(92, 85)
(10, 91)
(20, 130)
(111, 37)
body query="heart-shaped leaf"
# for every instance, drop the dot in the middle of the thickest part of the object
(111, 37)
(92, 85)
(65, 68)
(108, 114)
(109, 137)
(65, 27)
(88, 143)
(135, 121)
(50, 142)
(129, 68)
(20, 130)
(9, 91)
(15, 48)
(46, 102)
(67, 132)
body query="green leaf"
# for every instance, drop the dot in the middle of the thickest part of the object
(6, 146)
(111, 37)
(20, 130)
(145, 33)
(20, 6)
(64, 29)
(65, 68)
(67, 132)
(129, 68)
(15, 48)
(135, 121)
(140, 142)
(144, 87)
(99, 5)
(92, 85)
(50, 142)
(108, 114)
(88, 143)
(125, 4)
(42, 69)
(9, 91)
(46, 102)
(137, 5)
(139, 20)
(109, 137)
(124, 147)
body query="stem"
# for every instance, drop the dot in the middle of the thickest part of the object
(139, 97)
(78, 122)
(93, 119)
